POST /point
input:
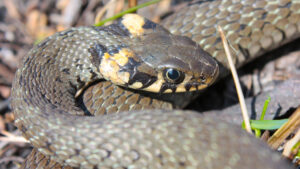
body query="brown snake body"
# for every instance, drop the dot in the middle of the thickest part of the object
(144, 56)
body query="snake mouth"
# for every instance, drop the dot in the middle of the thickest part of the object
(215, 75)
(194, 86)
(201, 82)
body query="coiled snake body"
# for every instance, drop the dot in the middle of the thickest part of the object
(139, 54)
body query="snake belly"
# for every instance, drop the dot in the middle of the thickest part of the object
(50, 117)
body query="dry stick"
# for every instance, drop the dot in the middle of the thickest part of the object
(12, 138)
(236, 81)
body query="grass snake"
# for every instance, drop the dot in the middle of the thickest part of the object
(156, 65)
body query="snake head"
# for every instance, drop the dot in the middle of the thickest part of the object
(180, 64)
(158, 61)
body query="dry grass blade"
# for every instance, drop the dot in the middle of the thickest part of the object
(236, 81)
(284, 131)
(288, 148)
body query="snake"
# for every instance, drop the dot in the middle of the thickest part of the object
(111, 96)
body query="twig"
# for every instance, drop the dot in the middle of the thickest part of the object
(236, 81)
(103, 10)
(12, 138)
(132, 3)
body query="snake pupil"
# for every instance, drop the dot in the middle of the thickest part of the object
(173, 75)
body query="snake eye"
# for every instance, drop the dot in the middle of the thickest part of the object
(203, 78)
(173, 76)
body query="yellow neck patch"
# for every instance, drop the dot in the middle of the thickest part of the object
(134, 23)
(110, 66)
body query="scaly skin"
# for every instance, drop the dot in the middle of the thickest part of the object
(45, 87)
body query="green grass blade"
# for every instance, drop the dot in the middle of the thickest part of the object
(266, 124)
(265, 108)
(130, 10)
(257, 133)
